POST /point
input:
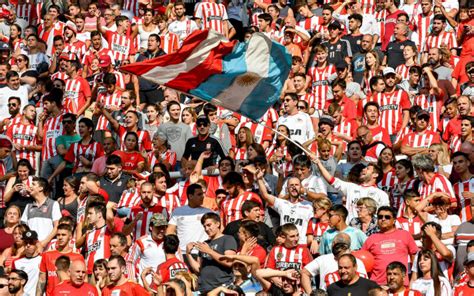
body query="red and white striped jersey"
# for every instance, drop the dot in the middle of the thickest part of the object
(231, 207)
(169, 42)
(60, 75)
(463, 203)
(444, 39)
(368, 6)
(78, 48)
(120, 45)
(282, 258)
(397, 191)
(212, 15)
(239, 153)
(109, 101)
(334, 276)
(144, 142)
(320, 84)
(346, 127)
(423, 24)
(48, 35)
(413, 226)
(170, 268)
(52, 129)
(25, 135)
(316, 228)
(321, 28)
(421, 140)
(310, 24)
(11, 121)
(129, 198)
(25, 12)
(438, 183)
(260, 133)
(391, 109)
(169, 202)
(433, 104)
(380, 18)
(406, 293)
(131, 5)
(81, 209)
(168, 156)
(455, 144)
(90, 151)
(403, 71)
(388, 181)
(91, 54)
(97, 246)
(143, 225)
(179, 189)
(75, 94)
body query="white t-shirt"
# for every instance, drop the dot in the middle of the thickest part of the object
(188, 225)
(446, 225)
(300, 125)
(354, 192)
(312, 183)
(426, 287)
(6, 93)
(31, 267)
(297, 213)
(325, 264)
(182, 28)
(444, 265)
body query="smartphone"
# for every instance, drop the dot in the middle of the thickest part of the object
(208, 147)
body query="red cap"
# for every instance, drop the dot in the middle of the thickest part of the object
(5, 143)
(104, 61)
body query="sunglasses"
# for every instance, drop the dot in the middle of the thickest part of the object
(301, 107)
(20, 60)
(384, 217)
(11, 105)
(202, 124)
(287, 100)
(3, 286)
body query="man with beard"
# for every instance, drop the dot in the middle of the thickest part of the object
(17, 280)
(371, 147)
(4, 68)
(394, 53)
(350, 283)
(464, 189)
(396, 273)
(77, 284)
(182, 26)
(434, 60)
(29, 262)
(119, 283)
(300, 124)
(14, 107)
(72, 44)
(439, 37)
(96, 50)
(13, 89)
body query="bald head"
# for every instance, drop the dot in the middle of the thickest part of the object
(468, 148)
(342, 238)
(77, 272)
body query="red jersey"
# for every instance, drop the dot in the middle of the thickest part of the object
(464, 204)
(213, 183)
(97, 246)
(438, 183)
(75, 94)
(109, 101)
(433, 104)
(170, 268)
(126, 289)
(52, 129)
(421, 139)
(48, 266)
(91, 151)
(130, 160)
(413, 226)
(66, 289)
(316, 228)
(320, 84)
(463, 289)
(24, 134)
(144, 142)
(380, 134)
(282, 258)
(169, 42)
(212, 15)
(143, 225)
(120, 45)
(239, 153)
(447, 39)
(231, 207)
(95, 54)
(391, 109)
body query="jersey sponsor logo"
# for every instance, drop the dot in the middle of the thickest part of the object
(23, 137)
(94, 247)
(296, 221)
(320, 83)
(389, 107)
(295, 132)
(285, 265)
(214, 18)
(174, 272)
(120, 48)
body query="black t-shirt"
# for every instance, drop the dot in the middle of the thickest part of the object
(354, 41)
(266, 238)
(338, 51)
(194, 148)
(358, 65)
(395, 52)
(212, 273)
(115, 189)
(359, 288)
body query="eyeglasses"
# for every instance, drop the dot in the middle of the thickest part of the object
(384, 217)
(11, 105)
(3, 286)
(423, 118)
(20, 60)
(301, 107)
(287, 100)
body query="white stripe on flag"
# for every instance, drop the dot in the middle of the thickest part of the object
(257, 60)
(162, 75)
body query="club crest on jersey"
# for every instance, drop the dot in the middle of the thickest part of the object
(279, 256)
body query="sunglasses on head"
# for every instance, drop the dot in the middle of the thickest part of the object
(384, 217)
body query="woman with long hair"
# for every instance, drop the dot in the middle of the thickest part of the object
(372, 68)
(146, 27)
(132, 159)
(242, 143)
(441, 159)
(430, 281)
(189, 116)
(410, 54)
(405, 181)
(100, 277)
(10, 220)
(386, 161)
(16, 190)
(254, 150)
(16, 250)
(22, 66)
(70, 201)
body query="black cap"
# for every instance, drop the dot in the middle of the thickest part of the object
(341, 65)
(30, 235)
(335, 25)
(423, 113)
(203, 118)
(326, 120)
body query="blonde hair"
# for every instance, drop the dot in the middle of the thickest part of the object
(443, 155)
(369, 203)
(322, 142)
(12, 207)
(324, 203)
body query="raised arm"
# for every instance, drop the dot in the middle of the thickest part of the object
(270, 199)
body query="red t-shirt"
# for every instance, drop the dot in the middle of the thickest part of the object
(126, 289)
(282, 258)
(130, 160)
(170, 268)
(47, 266)
(66, 288)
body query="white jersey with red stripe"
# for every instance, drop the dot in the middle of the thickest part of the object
(73, 94)
(97, 246)
(346, 127)
(282, 258)
(179, 189)
(24, 135)
(52, 129)
(388, 181)
(90, 151)
(146, 252)
(25, 12)
(3, 172)
(239, 153)
(131, 5)
(310, 24)
(423, 25)
(169, 202)
(455, 144)
(129, 198)
(391, 109)
(169, 42)
(78, 48)
(368, 6)
(397, 191)
(142, 227)
(316, 228)
(48, 35)
(320, 84)
(212, 15)
(464, 203)
(421, 139)
(403, 71)
(60, 75)
(412, 225)
(108, 101)
(182, 28)
(444, 39)
(91, 54)
(120, 45)
(438, 183)
(168, 156)
(380, 18)
(433, 104)
(231, 207)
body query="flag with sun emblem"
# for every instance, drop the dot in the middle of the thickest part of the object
(245, 77)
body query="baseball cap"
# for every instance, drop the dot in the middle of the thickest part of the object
(158, 220)
(5, 143)
(388, 70)
(104, 61)
(326, 120)
(470, 257)
(4, 46)
(341, 65)
(203, 119)
(354, 88)
(423, 113)
(30, 235)
(71, 25)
